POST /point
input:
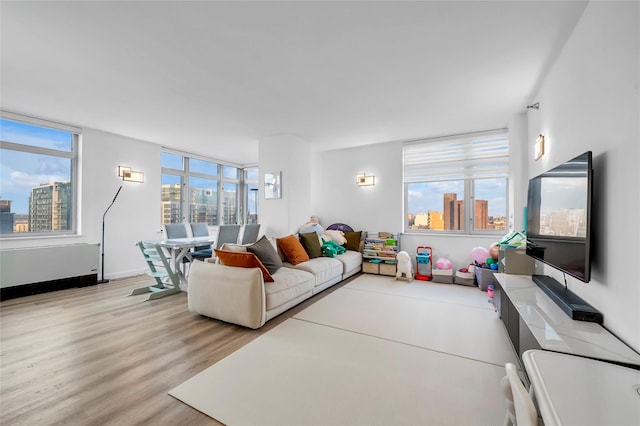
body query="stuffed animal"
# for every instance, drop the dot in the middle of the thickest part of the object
(312, 226)
(331, 248)
(405, 266)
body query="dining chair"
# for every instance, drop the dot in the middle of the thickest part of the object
(520, 408)
(175, 230)
(201, 252)
(227, 234)
(250, 233)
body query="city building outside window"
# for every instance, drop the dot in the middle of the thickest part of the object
(39, 174)
(190, 189)
(457, 184)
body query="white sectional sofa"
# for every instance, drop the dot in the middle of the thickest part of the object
(241, 296)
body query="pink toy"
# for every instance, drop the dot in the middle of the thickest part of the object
(443, 263)
(479, 255)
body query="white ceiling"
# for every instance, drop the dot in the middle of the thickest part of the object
(213, 78)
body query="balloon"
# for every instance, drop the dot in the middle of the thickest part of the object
(443, 263)
(479, 255)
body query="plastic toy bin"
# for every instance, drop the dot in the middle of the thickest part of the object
(485, 277)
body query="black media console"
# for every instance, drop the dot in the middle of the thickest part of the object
(569, 302)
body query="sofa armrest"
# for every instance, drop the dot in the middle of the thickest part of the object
(227, 293)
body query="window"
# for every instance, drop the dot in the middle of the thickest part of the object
(457, 184)
(190, 189)
(251, 194)
(39, 174)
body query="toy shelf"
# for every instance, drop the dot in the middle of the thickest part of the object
(379, 254)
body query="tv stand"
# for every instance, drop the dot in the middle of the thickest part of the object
(568, 301)
(533, 321)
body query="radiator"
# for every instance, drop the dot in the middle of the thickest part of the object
(40, 264)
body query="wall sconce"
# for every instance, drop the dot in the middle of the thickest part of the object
(129, 175)
(363, 180)
(539, 147)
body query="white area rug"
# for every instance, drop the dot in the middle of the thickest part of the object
(361, 356)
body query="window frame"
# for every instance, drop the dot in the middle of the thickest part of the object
(72, 155)
(185, 174)
(246, 183)
(465, 174)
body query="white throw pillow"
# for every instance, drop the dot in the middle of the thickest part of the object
(334, 235)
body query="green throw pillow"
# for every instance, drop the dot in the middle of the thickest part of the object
(268, 255)
(353, 240)
(311, 244)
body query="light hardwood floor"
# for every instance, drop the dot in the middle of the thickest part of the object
(95, 356)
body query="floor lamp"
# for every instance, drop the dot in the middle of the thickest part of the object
(102, 280)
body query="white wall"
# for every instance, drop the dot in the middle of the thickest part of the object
(289, 155)
(337, 199)
(590, 101)
(134, 216)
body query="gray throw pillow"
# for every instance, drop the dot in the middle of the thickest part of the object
(266, 253)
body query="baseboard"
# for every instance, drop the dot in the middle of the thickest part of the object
(47, 286)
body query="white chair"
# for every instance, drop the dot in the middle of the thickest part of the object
(520, 408)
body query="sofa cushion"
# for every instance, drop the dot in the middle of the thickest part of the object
(350, 259)
(243, 260)
(266, 253)
(288, 284)
(311, 244)
(323, 268)
(292, 249)
(353, 240)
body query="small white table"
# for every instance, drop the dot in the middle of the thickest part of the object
(572, 390)
(180, 249)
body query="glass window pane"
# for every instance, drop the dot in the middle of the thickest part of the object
(490, 210)
(252, 203)
(203, 200)
(172, 161)
(230, 172)
(37, 194)
(230, 203)
(171, 197)
(437, 206)
(204, 167)
(251, 174)
(30, 134)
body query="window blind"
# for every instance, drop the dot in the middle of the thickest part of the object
(476, 155)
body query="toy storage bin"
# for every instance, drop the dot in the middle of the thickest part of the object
(370, 268)
(485, 277)
(444, 276)
(388, 269)
(466, 278)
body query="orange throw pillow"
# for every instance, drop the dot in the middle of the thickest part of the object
(292, 249)
(243, 260)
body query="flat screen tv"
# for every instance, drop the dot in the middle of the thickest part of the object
(559, 217)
